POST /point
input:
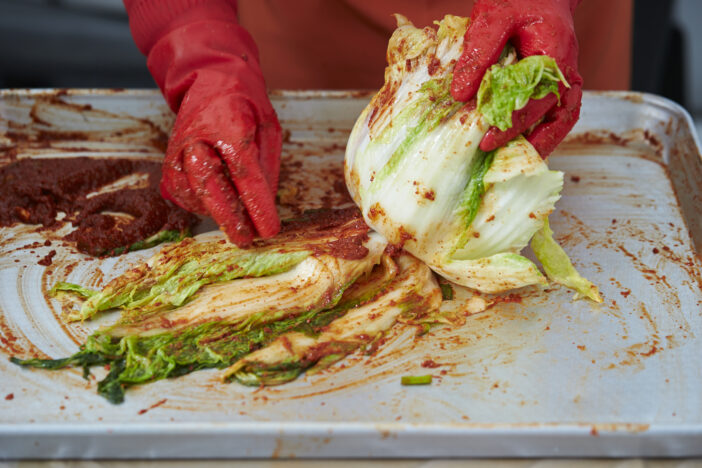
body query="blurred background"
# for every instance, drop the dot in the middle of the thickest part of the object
(86, 43)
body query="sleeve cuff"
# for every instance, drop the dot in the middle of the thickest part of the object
(149, 20)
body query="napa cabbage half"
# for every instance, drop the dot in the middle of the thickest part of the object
(285, 286)
(414, 167)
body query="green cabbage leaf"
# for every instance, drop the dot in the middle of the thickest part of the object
(506, 89)
(558, 266)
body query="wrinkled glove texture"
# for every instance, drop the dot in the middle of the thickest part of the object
(223, 156)
(533, 27)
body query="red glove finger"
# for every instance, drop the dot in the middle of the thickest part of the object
(560, 119)
(242, 159)
(488, 32)
(270, 143)
(558, 122)
(176, 187)
(207, 177)
(522, 120)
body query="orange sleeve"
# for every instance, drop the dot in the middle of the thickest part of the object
(604, 31)
(340, 44)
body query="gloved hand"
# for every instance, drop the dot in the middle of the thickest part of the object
(223, 156)
(533, 27)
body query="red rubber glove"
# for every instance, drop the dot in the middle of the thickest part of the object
(223, 155)
(533, 27)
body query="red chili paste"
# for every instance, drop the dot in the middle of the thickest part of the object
(33, 191)
(345, 229)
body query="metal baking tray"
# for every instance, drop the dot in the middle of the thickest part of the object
(539, 375)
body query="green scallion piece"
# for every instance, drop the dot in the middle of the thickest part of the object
(416, 379)
(446, 291)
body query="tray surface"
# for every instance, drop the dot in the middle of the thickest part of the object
(544, 375)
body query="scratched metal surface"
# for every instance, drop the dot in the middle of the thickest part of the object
(542, 376)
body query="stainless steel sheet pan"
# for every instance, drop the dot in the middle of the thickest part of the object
(536, 375)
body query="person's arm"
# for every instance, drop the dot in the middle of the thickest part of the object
(223, 155)
(533, 27)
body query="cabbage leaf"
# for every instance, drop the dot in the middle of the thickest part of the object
(558, 266)
(506, 89)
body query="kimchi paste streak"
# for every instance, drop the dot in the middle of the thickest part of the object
(345, 225)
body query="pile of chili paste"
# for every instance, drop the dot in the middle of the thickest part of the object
(108, 221)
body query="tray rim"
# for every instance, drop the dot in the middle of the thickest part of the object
(650, 99)
(353, 441)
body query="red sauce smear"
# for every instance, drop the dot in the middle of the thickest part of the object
(46, 261)
(431, 364)
(155, 405)
(345, 230)
(33, 191)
